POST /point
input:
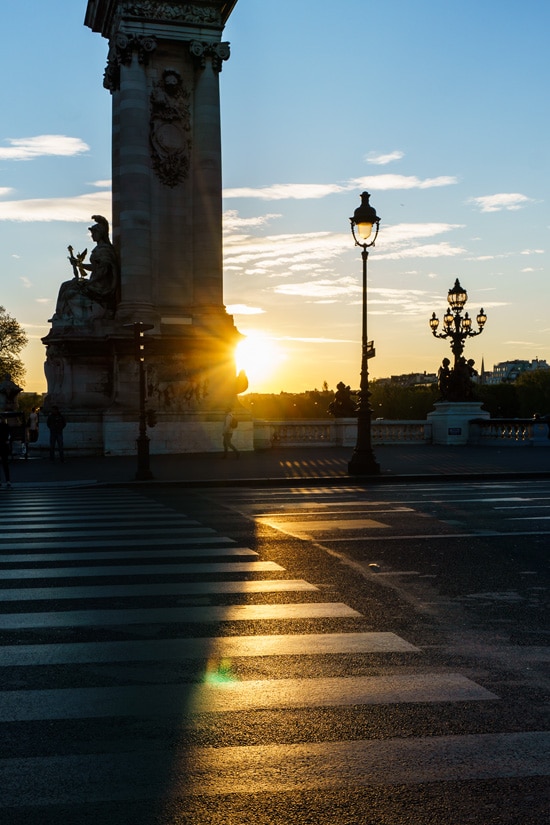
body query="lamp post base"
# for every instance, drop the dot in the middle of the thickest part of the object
(363, 463)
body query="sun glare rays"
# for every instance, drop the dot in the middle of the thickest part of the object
(260, 357)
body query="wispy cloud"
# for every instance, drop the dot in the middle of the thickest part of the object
(510, 201)
(73, 210)
(286, 255)
(317, 340)
(321, 289)
(279, 252)
(402, 241)
(439, 250)
(383, 159)
(532, 252)
(5, 190)
(309, 191)
(232, 220)
(244, 309)
(285, 191)
(406, 232)
(386, 182)
(28, 148)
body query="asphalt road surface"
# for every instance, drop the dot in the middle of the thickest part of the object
(335, 655)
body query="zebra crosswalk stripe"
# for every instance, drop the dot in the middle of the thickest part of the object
(142, 775)
(222, 647)
(186, 701)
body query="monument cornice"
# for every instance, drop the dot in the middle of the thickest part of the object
(105, 16)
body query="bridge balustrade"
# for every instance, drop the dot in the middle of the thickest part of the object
(501, 432)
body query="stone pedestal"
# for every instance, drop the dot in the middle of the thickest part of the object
(450, 420)
(346, 431)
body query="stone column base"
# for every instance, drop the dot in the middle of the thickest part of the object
(451, 420)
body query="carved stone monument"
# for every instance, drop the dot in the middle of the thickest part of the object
(163, 266)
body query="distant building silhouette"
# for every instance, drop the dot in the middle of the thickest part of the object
(410, 379)
(506, 372)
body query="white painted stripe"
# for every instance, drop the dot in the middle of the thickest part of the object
(105, 532)
(88, 500)
(175, 615)
(57, 506)
(149, 541)
(70, 525)
(336, 692)
(25, 486)
(486, 534)
(94, 494)
(346, 509)
(109, 496)
(108, 777)
(138, 555)
(203, 648)
(132, 590)
(146, 570)
(325, 765)
(306, 528)
(187, 700)
(66, 513)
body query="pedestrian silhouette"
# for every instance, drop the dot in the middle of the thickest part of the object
(56, 424)
(229, 424)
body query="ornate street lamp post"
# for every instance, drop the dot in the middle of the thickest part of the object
(363, 461)
(457, 327)
(455, 385)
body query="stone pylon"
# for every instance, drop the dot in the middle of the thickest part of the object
(165, 256)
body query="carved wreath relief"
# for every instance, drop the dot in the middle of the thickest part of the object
(170, 125)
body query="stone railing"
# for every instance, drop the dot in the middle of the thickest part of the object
(342, 432)
(509, 432)
(302, 433)
(400, 432)
(338, 432)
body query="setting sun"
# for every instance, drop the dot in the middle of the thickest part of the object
(260, 357)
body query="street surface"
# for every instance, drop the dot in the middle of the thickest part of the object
(346, 655)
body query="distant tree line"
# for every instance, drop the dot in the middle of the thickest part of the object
(528, 396)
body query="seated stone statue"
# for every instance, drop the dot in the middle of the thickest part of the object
(84, 299)
(444, 379)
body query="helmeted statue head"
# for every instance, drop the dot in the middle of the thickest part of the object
(100, 229)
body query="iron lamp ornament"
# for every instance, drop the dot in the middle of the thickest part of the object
(457, 327)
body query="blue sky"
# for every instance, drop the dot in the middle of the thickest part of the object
(439, 109)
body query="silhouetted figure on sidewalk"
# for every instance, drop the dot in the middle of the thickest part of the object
(33, 423)
(56, 424)
(229, 424)
(5, 436)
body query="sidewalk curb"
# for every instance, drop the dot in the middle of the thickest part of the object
(328, 481)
